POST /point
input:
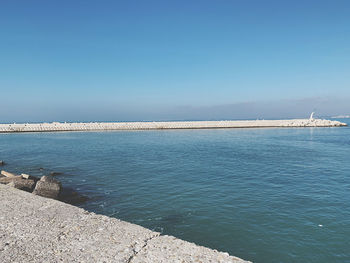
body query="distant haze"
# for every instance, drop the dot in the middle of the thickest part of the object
(246, 110)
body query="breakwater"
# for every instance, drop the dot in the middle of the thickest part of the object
(105, 126)
(38, 229)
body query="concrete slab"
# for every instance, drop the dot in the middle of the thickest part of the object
(173, 249)
(38, 229)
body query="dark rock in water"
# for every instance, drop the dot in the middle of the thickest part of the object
(173, 218)
(27, 176)
(41, 169)
(47, 186)
(55, 173)
(22, 184)
(2, 163)
(49, 179)
(69, 196)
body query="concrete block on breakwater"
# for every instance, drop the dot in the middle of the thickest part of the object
(38, 229)
(105, 126)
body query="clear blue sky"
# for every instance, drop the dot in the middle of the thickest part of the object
(120, 60)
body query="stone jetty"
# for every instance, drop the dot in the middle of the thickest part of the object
(105, 126)
(38, 229)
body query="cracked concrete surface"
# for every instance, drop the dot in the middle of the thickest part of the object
(138, 247)
(37, 229)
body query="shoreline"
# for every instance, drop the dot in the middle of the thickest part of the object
(38, 229)
(39, 226)
(113, 126)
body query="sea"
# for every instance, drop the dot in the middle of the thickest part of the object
(267, 195)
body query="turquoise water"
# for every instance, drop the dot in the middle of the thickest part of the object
(265, 195)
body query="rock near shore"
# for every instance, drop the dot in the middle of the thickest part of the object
(49, 187)
(22, 184)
